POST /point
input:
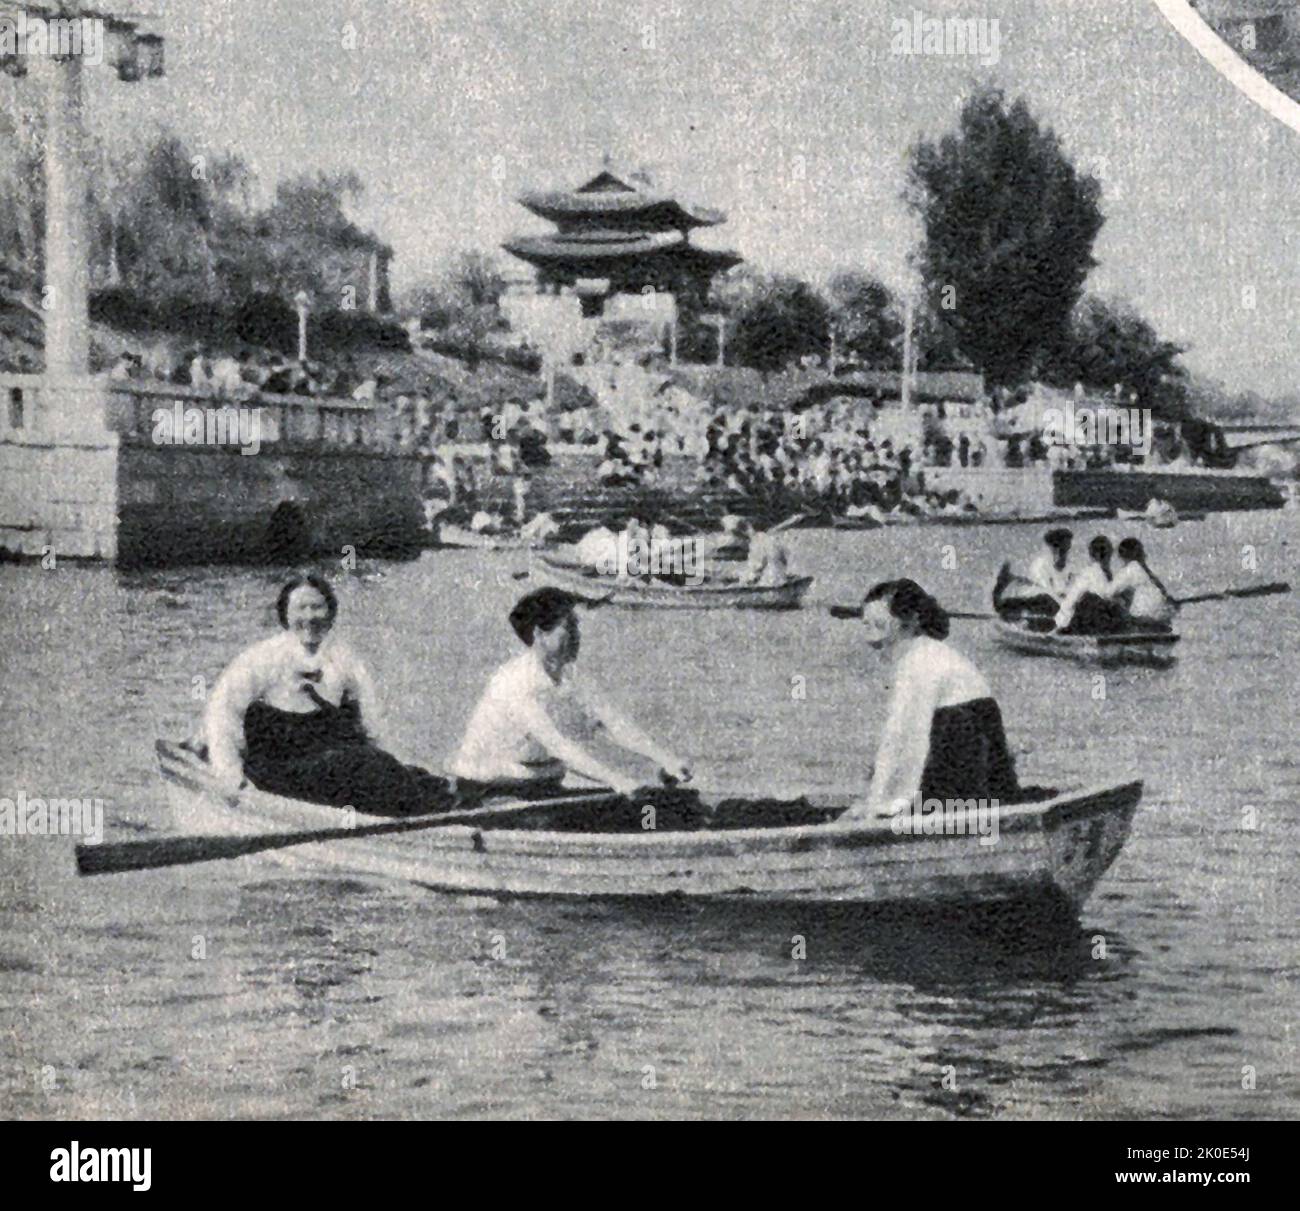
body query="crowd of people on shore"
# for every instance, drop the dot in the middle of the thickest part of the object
(243, 374)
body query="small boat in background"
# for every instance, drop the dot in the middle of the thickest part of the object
(1159, 513)
(452, 535)
(651, 592)
(1153, 649)
(1049, 852)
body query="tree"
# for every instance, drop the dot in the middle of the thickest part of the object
(1109, 344)
(783, 319)
(1008, 231)
(866, 320)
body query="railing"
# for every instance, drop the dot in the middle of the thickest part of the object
(137, 409)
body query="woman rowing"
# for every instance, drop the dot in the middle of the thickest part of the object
(296, 714)
(1090, 607)
(1149, 603)
(943, 737)
(1041, 588)
(537, 714)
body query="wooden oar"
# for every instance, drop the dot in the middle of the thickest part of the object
(838, 610)
(180, 851)
(793, 520)
(1255, 590)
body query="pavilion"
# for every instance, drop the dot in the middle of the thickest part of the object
(616, 236)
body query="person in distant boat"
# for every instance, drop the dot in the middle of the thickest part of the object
(537, 714)
(541, 528)
(1041, 588)
(1149, 604)
(767, 562)
(597, 548)
(1089, 607)
(296, 714)
(943, 736)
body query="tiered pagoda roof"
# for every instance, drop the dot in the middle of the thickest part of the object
(611, 228)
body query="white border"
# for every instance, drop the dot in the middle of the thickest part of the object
(1188, 22)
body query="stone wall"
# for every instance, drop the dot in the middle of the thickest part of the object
(58, 483)
(82, 475)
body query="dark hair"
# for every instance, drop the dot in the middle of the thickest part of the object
(319, 583)
(543, 609)
(1131, 548)
(908, 600)
(1100, 549)
(1058, 539)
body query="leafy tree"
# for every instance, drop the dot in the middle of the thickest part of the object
(1109, 344)
(1009, 227)
(867, 323)
(783, 318)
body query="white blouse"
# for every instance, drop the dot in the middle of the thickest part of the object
(1148, 603)
(1091, 580)
(1047, 576)
(928, 675)
(278, 672)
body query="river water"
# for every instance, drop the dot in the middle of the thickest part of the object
(232, 990)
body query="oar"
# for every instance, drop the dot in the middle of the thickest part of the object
(838, 610)
(180, 851)
(1255, 590)
(793, 520)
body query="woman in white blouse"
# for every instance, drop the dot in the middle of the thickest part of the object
(1090, 607)
(1149, 603)
(296, 714)
(943, 736)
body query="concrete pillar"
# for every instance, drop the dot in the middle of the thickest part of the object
(374, 281)
(67, 245)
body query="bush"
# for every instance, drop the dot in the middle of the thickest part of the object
(121, 308)
(268, 321)
(352, 331)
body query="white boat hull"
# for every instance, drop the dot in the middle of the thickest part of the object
(1055, 850)
(622, 591)
(1153, 650)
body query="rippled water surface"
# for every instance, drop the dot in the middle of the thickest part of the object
(347, 998)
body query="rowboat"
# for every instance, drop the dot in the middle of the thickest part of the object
(1159, 514)
(1153, 649)
(451, 535)
(1050, 852)
(629, 591)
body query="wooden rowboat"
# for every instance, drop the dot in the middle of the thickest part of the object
(1151, 648)
(629, 591)
(451, 535)
(1049, 852)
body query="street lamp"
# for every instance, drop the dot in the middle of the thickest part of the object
(67, 227)
(302, 300)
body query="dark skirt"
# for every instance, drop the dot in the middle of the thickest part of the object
(1095, 615)
(324, 756)
(968, 757)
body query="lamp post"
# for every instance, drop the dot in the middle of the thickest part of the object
(302, 300)
(58, 40)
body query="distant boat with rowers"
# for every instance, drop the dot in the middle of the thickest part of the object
(1154, 649)
(1159, 514)
(650, 592)
(452, 535)
(1049, 853)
